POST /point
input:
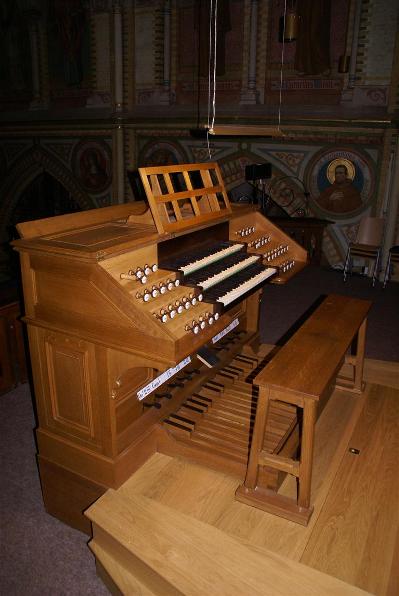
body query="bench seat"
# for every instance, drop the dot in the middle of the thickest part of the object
(303, 373)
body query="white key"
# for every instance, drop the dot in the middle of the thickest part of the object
(186, 269)
(215, 279)
(247, 285)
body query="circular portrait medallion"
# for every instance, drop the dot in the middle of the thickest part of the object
(341, 182)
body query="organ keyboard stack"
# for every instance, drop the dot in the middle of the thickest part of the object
(119, 303)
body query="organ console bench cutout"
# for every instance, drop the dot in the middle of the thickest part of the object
(303, 374)
(118, 301)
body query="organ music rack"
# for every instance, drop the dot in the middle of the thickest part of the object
(107, 322)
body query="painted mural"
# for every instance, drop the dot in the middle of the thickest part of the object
(193, 50)
(65, 51)
(92, 165)
(68, 48)
(158, 153)
(311, 59)
(341, 182)
(15, 64)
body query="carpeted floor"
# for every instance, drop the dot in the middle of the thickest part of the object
(39, 554)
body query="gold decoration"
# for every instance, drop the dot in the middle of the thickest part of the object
(291, 27)
(350, 168)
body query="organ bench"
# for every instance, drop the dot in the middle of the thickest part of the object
(303, 374)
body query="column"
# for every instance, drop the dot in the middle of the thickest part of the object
(391, 204)
(248, 94)
(355, 39)
(118, 57)
(34, 18)
(165, 91)
(119, 164)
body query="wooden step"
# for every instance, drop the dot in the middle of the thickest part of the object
(169, 553)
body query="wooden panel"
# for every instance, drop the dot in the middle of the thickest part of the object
(263, 237)
(85, 299)
(71, 221)
(70, 368)
(127, 406)
(115, 576)
(67, 495)
(359, 524)
(99, 237)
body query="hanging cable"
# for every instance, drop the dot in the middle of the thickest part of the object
(198, 41)
(212, 69)
(214, 63)
(281, 66)
(209, 63)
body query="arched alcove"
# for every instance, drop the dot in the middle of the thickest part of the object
(38, 185)
(44, 196)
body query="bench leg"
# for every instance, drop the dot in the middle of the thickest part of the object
(359, 361)
(251, 478)
(306, 461)
(251, 492)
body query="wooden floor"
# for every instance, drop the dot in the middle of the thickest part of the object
(352, 535)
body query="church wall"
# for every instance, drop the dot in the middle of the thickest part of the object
(127, 89)
(303, 155)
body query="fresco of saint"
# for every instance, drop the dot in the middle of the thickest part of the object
(342, 196)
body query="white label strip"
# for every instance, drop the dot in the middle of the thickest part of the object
(226, 330)
(158, 381)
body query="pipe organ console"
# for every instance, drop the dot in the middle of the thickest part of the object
(120, 303)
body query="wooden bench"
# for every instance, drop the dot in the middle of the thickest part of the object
(304, 373)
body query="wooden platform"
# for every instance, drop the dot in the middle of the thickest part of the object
(175, 528)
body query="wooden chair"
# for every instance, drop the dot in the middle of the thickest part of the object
(393, 257)
(367, 245)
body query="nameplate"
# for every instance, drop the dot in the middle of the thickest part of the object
(225, 331)
(158, 381)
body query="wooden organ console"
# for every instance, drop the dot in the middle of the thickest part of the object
(119, 304)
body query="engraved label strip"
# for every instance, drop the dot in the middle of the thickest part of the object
(225, 331)
(158, 381)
